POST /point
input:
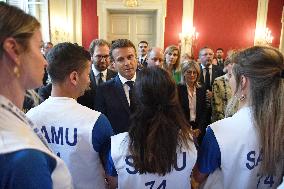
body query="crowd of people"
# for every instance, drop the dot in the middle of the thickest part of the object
(109, 118)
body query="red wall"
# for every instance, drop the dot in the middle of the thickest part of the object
(273, 22)
(89, 22)
(173, 22)
(221, 23)
(225, 24)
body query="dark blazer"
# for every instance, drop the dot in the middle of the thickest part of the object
(216, 72)
(111, 100)
(88, 98)
(45, 91)
(201, 109)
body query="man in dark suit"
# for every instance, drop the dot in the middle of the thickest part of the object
(220, 57)
(114, 98)
(99, 50)
(143, 48)
(208, 74)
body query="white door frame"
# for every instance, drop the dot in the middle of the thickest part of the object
(160, 6)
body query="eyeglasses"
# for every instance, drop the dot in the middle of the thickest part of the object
(189, 72)
(101, 57)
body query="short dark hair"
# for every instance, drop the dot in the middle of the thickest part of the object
(220, 49)
(97, 42)
(143, 42)
(203, 48)
(65, 58)
(121, 43)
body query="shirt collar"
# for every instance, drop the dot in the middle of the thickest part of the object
(143, 57)
(96, 72)
(203, 67)
(123, 80)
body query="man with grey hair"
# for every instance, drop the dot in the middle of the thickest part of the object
(208, 74)
(155, 57)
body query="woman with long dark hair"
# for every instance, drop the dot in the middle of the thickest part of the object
(158, 150)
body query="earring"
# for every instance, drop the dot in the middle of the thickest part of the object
(16, 71)
(243, 97)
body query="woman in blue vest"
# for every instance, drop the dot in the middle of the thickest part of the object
(25, 160)
(158, 150)
(246, 150)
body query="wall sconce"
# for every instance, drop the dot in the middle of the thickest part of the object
(59, 31)
(131, 3)
(263, 36)
(189, 40)
(189, 37)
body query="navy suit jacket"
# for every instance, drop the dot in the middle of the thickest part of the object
(111, 100)
(88, 98)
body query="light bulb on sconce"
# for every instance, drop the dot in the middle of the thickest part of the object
(190, 37)
(188, 40)
(263, 36)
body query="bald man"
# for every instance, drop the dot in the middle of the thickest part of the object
(155, 57)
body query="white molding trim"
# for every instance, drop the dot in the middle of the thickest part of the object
(281, 44)
(262, 10)
(187, 23)
(160, 6)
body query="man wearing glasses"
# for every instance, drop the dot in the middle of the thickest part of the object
(99, 50)
(115, 98)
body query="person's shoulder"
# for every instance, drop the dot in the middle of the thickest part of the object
(27, 160)
(181, 86)
(111, 73)
(28, 155)
(219, 79)
(27, 168)
(119, 137)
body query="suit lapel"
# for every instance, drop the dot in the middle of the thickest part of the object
(213, 74)
(120, 93)
(201, 79)
(93, 83)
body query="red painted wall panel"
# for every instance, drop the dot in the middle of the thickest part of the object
(173, 22)
(274, 20)
(89, 22)
(224, 23)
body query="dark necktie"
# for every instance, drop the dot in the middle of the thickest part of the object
(100, 80)
(131, 99)
(207, 79)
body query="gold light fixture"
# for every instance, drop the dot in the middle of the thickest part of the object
(131, 3)
(263, 36)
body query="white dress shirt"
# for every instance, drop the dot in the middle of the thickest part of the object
(125, 86)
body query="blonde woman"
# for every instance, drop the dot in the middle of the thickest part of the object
(172, 62)
(25, 160)
(246, 150)
(192, 97)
